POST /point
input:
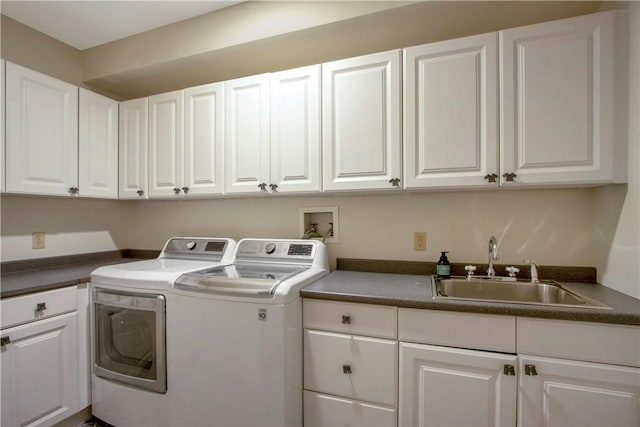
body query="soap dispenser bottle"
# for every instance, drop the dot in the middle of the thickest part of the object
(443, 268)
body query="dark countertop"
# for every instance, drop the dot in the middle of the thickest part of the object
(43, 274)
(414, 291)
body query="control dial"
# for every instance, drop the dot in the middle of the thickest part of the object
(270, 248)
(191, 245)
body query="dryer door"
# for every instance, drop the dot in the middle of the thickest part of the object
(129, 338)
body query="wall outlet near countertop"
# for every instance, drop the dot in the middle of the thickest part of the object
(37, 240)
(420, 241)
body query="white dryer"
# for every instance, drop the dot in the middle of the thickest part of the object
(129, 308)
(239, 331)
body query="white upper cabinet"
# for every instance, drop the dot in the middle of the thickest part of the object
(204, 140)
(361, 122)
(98, 146)
(133, 152)
(247, 134)
(451, 112)
(557, 102)
(41, 133)
(166, 148)
(295, 130)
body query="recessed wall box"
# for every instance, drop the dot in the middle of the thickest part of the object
(319, 220)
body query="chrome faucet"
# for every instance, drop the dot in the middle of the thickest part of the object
(493, 256)
(534, 270)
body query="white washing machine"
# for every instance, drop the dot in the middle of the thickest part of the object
(129, 308)
(239, 332)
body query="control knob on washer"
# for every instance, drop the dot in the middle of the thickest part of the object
(270, 248)
(191, 245)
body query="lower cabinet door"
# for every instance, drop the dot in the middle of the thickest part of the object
(331, 411)
(39, 372)
(557, 392)
(442, 386)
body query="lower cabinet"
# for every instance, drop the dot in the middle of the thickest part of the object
(39, 358)
(554, 392)
(350, 379)
(39, 372)
(442, 386)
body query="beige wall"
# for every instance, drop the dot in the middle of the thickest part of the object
(617, 215)
(553, 227)
(32, 49)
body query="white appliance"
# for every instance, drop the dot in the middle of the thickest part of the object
(239, 331)
(129, 306)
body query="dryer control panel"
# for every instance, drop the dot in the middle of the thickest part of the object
(197, 247)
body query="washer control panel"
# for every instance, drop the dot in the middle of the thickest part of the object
(281, 249)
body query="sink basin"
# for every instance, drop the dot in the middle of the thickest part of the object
(547, 292)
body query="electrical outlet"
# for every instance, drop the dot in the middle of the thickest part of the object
(37, 240)
(420, 241)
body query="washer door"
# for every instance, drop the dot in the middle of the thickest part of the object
(129, 338)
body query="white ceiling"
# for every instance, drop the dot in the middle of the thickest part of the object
(88, 23)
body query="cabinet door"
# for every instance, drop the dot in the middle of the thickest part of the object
(41, 133)
(166, 148)
(557, 101)
(247, 134)
(451, 113)
(567, 393)
(361, 122)
(204, 139)
(295, 130)
(133, 149)
(446, 386)
(40, 372)
(98, 146)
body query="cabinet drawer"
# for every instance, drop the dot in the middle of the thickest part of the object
(360, 319)
(465, 330)
(346, 365)
(330, 411)
(28, 308)
(587, 341)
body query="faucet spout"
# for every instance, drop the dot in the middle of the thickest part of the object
(493, 256)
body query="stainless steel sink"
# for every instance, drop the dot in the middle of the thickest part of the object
(547, 292)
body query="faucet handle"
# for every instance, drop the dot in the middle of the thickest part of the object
(512, 271)
(470, 270)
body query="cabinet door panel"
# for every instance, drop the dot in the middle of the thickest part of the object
(450, 114)
(165, 143)
(41, 133)
(204, 139)
(361, 122)
(330, 411)
(295, 129)
(571, 393)
(98, 146)
(557, 100)
(446, 386)
(39, 372)
(133, 149)
(247, 134)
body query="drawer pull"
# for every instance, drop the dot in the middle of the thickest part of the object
(4, 341)
(346, 369)
(41, 307)
(509, 370)
(346, 319)
(530, 370)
